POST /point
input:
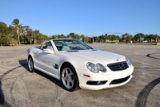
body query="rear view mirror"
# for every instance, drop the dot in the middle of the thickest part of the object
(48, 51)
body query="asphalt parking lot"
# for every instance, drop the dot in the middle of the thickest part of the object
(20, 88)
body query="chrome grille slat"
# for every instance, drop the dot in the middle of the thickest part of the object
(118, 66)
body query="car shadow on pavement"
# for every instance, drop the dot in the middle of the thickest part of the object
(52, 79)
(23, 63)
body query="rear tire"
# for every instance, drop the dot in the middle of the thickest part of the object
(69, 78)
(31, 64)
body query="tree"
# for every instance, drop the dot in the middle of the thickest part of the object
(138, 37)
(102, 38)
(27, 35)
(18, 28)
(84, 38)
(3, 29)
(153, 37)
(53, 37)
(16, 34)
(38, 37)
(74, 36)
(114, 38)
(126, 37)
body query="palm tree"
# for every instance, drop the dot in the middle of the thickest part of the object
(18, 28)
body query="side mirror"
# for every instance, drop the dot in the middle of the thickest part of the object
(48, 51)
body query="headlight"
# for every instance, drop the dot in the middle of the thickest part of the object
(96, 67)
(92, 67)
(101, 67)
(128, 62)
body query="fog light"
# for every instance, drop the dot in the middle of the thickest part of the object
(99, 82)
(96, 82)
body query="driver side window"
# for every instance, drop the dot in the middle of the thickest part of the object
(47, 45)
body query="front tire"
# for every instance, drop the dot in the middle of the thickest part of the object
(31, 64)
(69, 78)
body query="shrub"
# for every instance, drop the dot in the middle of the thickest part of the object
(6, 41)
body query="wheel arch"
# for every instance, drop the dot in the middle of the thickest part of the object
(29, 56)
(68, 63)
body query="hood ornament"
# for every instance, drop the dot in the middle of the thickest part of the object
(117, 59)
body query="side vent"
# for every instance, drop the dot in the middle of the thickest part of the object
(56, 66)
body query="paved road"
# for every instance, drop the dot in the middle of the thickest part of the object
(20, 88)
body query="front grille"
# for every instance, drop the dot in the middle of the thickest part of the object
(118, 66)
(118, 81)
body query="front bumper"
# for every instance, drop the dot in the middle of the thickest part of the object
(106, 80)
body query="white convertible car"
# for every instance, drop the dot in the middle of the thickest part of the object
(78, 65)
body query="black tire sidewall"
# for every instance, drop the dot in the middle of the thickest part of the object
(30, 58)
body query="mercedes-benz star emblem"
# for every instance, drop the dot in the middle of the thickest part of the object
(121, 65)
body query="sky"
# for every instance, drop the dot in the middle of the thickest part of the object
(88, 17)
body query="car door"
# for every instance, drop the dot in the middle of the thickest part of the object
(48, 61)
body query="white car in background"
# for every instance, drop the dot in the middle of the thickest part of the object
(78, 65)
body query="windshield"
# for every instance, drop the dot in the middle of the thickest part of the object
(70, 45)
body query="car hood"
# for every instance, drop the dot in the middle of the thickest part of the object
(98, 56)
